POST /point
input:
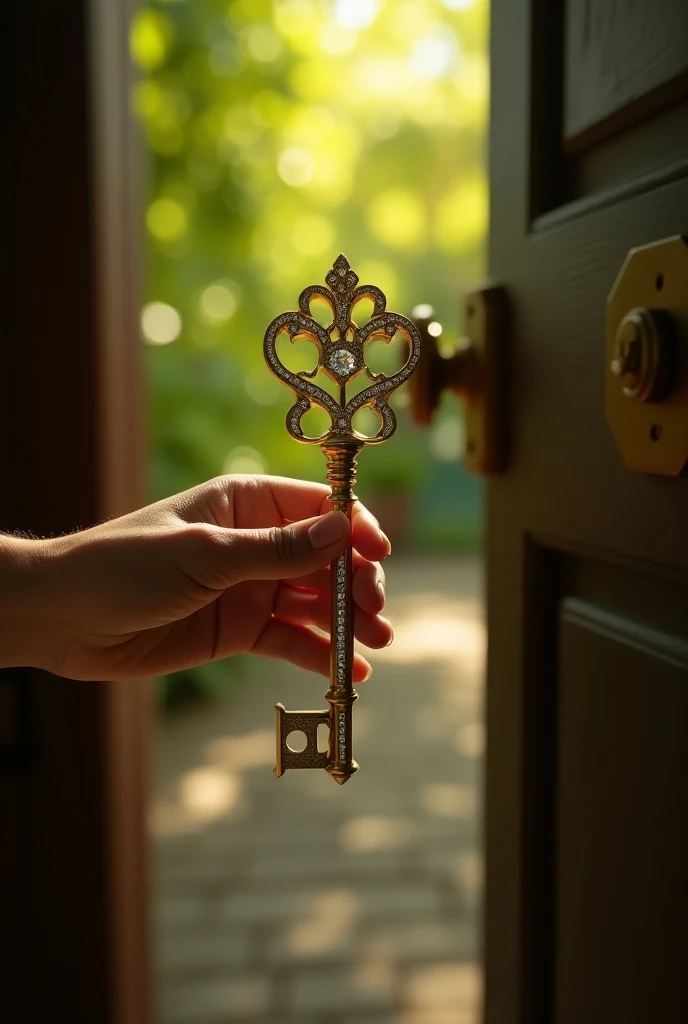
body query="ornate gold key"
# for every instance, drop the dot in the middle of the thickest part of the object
(341, 356)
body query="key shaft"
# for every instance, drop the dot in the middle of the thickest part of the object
(341, 476)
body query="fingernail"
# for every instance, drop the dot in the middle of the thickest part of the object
(381, 590)
(391, 639)
(328, 530)
(386, 540)
(368, 674)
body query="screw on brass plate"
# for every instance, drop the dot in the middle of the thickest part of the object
(643, 357)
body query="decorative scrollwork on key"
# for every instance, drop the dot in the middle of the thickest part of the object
(341, 355)
(341, 348)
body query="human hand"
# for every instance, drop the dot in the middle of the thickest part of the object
(238, 564)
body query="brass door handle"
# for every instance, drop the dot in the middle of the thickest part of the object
(646, 383)
(474, 371)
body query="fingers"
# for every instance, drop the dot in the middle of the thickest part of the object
(368, 585)
(222, 557)
(247, 502)
(310, 608)
(289, 499)
(304, 648)
(366, 535)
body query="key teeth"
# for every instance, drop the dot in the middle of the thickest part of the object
(310, 757)
(299, 721)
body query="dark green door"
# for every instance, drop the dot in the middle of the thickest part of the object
(587, 706)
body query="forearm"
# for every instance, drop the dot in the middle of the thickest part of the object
(23, 606)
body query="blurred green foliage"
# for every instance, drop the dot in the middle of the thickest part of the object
(280, 133)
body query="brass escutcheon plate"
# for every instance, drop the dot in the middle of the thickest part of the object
(649, 419)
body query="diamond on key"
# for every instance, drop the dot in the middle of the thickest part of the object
(342, 361)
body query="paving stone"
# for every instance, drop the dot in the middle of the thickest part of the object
(341, 991)
(440, 986)
(260, 906)
(244, 836)
(326, 863)
(244, 998)
(328, 939)
(183, 910)
(191, 952)
(206, 870)
(424, 939)
(367, 1019)
(437, 1015)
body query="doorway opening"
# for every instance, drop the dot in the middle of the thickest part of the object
(279, 135)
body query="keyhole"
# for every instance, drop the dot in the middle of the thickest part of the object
(297, 741)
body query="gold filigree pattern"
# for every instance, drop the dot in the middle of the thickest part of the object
(341, 355)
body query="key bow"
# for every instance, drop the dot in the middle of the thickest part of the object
(341, 355)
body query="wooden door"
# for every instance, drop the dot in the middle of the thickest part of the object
(587, 704)
(73, 755)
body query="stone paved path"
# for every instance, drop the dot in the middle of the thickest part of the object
(297, 900)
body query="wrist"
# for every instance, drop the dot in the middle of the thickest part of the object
(24, 603)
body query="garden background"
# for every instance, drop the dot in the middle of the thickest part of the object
(280, 133)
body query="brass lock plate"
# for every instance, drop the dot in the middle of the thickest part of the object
(646, 358)
(485, 413)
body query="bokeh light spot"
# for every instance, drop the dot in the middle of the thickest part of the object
(208, 792)
(218, 302)
(263, 43)
(295, 166)
(447, 439)
(150, 37)
(434, 55)
(160, 323)
(336, 39)
(448, 800)
(356, 14)
(244, 459)
(397, 218)
(373, 832)
(166, 219)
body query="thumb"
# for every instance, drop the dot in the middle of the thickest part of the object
(281, 552)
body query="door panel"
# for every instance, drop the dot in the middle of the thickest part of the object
(586, 829)
(617, 53)
(621, 900)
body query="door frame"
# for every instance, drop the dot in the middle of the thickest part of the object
(73, 786)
